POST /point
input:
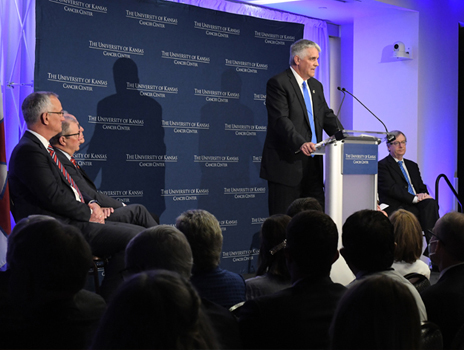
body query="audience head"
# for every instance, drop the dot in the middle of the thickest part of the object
(376, 313)
(155, 310)
(48, 258)
(446, 247)
(408, 236)
(159, 247)
(298, 48)
(204, 235)
(273, 232)
(368, 241)
(311, 247)
(301, 204)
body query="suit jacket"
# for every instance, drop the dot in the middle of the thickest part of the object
(85, 184)
(444, 301)
(393, 188)
(298, 317)
(288, 127)
(37, 185)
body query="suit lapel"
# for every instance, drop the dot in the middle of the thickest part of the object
(298, 93)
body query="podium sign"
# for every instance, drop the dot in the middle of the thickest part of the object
(359, 159)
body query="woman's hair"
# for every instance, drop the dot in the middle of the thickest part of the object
(376, 313)
(155, 309)
(272, 234)
(408, 236)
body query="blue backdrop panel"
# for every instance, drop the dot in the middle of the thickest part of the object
(171, 98)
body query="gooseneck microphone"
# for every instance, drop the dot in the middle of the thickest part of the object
(390, 137)
(341, 103)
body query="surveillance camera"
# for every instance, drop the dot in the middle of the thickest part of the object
(399, 47)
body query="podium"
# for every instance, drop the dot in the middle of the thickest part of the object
(350, 182)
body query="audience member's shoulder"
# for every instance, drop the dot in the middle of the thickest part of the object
(88, 305)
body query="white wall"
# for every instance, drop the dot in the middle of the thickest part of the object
(417, 96)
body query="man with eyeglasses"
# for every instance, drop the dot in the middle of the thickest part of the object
(400, 185)
(66, 143)
(40, 185)
(444, 300)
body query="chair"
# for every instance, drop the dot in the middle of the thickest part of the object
(419, 281)
(97, 271)
(431, 337)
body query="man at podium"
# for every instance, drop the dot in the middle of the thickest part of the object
(401, 185)
(297, 114)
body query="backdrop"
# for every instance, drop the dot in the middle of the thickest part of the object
(171, 97)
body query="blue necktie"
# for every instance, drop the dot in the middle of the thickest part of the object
(310, 112)
(410, 190)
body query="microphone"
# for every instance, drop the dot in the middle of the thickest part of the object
(390, 137)
(343, 99)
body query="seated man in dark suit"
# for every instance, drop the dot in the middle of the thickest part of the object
(42, 303)
(445, 299)
(165, 247)
(39, 184)
(66, 143)
(204, 234)
(401, 186)
(298, 317)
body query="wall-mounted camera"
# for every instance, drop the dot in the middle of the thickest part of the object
(400, 51)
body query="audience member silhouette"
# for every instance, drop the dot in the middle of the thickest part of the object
(376, 313)
(298, 317)
(205, 237)
(301, 204)
(165, 247)
(408, 238)
(445, 299)
(368, 248)
(155, 309)
(42, 303)
(272, 274)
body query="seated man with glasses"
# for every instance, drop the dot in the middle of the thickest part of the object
(401, 186)
(66, 143)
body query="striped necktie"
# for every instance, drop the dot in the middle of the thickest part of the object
(410, 189)
(63, 170)
(75, 163)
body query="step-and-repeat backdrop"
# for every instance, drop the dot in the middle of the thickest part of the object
(171, 97)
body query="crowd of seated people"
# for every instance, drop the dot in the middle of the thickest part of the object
(176, 296)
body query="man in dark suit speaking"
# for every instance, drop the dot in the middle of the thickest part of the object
(401, 186)
(297, 114)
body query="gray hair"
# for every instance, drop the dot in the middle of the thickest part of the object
(298, 48)
(396, 133)
(204, 235)
(35, 104)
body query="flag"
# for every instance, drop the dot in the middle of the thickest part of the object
(5, 224)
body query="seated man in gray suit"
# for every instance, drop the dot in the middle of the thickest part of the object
(66, 143)
(401, 186)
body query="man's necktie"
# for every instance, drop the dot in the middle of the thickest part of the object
(63, 170)
(75, 163)
(410, 190)
(310, 112)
